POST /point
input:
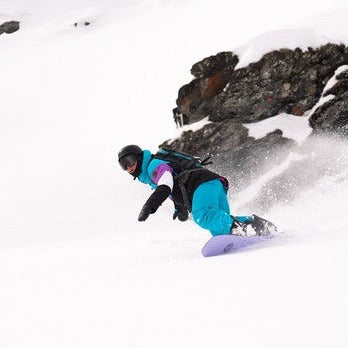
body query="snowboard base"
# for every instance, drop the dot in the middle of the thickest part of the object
(228, 243)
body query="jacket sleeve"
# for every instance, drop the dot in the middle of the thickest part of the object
(162, 174)
(157, 198)
(166, 179)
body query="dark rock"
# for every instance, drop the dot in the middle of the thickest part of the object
(286, 80)
(9, 27)
(340, 88)
(194, 96)
(212, 75)
(86, 23)
(213, 64)
(332, 117)
(211, 139)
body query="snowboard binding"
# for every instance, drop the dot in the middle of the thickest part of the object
(263, 227)
(257, 226)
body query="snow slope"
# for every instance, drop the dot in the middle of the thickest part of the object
(76, 268)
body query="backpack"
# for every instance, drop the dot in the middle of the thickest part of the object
(183, 165)
(181, 161)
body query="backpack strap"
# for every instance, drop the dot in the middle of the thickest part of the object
(181, 180)
(206, 161)
(181, 175)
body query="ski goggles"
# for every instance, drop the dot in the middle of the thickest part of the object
(127, 161)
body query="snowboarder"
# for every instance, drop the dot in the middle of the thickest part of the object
(204, 190)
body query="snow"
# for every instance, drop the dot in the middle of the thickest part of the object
(333, 80)
(289, 38)
(317, 30)
(76, 268)
(250, 192)
(329, 85)
(293, 127)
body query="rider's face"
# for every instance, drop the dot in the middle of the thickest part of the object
(131, 169)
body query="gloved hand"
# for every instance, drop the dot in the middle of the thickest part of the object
(181, 213)
(154, 201)
(144, 213)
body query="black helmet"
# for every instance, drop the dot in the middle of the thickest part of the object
(130, 154)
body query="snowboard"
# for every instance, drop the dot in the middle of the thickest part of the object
(228, 243)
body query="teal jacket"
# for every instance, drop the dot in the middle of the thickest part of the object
(152, 169)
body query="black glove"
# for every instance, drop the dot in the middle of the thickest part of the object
(145, 212)
(181, 213)
(155, 200)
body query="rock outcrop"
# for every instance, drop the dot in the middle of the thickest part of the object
(285, 80)
(9, 27)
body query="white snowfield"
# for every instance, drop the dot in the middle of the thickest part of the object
(76, 268)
